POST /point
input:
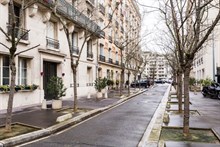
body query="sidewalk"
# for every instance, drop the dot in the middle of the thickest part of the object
(207, 118)
(46, 119)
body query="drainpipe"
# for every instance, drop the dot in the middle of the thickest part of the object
(213, 55)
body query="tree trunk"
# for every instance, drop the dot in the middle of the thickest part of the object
(121, 81)
(11, 94)
(186, 102)
(75, 89)
(179, 91)
(128, 84)
(175, 80)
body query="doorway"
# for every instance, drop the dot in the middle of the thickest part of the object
(50, 69)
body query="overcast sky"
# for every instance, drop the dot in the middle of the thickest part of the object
(151, 23)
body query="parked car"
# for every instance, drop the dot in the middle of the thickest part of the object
(159, 81)
(142, 83)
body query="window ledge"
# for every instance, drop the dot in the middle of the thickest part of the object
(90, 59)
(25, 42)
(7, 92)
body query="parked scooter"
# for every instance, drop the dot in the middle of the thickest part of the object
(212, 91)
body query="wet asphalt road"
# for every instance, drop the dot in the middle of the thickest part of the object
(122, 126)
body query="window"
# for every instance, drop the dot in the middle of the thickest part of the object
(17, 10)
(75, 47)
(101, 49)
(89, 13)
(22, 71)
(75, 39)
(5, 70)
(51, 29)
(101, 23)
(52, 35)
(109, 53)
(116, 56)
(20, 23)
(89, 49)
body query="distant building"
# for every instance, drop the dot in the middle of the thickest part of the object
(157, 66)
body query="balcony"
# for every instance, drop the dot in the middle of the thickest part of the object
(116, 24)
(116, 43)
(110, 17)
(110, 39)
(116, 63)
(122, 30)
(110, 60)
(102, 58)
(52, 43)
(102, 9)
(70, 12)
(75, 50)
(19, 33)
(91, 2)
(102, 34)
(89, 55)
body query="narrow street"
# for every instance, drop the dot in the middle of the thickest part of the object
(122, 126)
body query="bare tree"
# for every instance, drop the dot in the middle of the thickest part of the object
(14, 35)
(190, 26)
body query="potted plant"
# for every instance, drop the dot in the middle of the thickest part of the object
(4, 88)
(99, 85)
(57, 90)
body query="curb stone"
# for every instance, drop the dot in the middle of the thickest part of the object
(146, 141)
(60, 126)
(24, 138)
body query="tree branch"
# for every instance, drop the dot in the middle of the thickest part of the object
(27, 50)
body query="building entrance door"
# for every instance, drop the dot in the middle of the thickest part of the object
(50, 69)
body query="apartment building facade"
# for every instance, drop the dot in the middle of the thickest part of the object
(157, 66)
(52, 57)
(121, 19)
(206, 63)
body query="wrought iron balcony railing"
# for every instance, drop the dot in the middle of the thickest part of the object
(110, 17)
(67, 10)
(89, 55)
(102, 58)
(102, 9)
(116, 24)
(110, 38)
(19, 33)
(75, 50)
(91, 2)
(116, 43)
(122, 30)
(53, 43)
(110, 60)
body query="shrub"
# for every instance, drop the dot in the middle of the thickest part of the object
(100, 84)
(192, 81)
(110, 82)
(206, 82)
(56, 87)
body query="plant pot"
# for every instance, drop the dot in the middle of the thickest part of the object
(99, 94)
(56, 104)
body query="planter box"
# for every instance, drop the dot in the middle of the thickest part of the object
(56, 104)
(99, 94)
